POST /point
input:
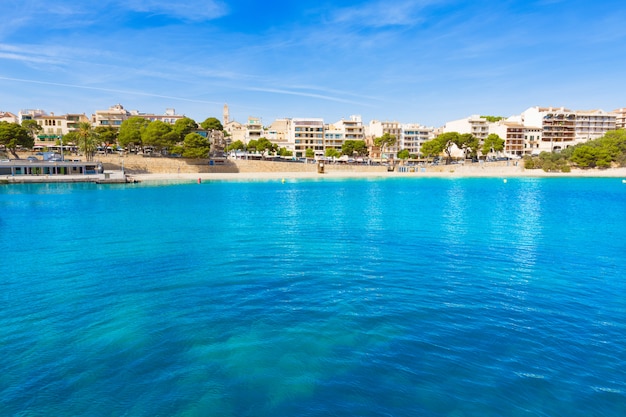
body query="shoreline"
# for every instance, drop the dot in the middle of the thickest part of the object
(456, 172)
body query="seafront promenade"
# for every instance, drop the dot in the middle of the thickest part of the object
(138, 168)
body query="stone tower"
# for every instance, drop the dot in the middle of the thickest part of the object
(226, 116)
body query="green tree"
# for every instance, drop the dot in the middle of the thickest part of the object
(13, 135)
(432, 147)
(332, 153)
(309, 153)
(159, 135)
(33, 127)
(404, 154)
(264, 144)
(351, 147)
(184, 126)
(492, 119)
(386, 140)
(251, 146)
(87, 140)
(212, 123)
(284, 152)
(107, 134)
(236, 146)
(468, 143)
(492, 143)
(446, 141)
(130, 131)
(196, 146)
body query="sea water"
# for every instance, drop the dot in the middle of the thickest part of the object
(387, 297)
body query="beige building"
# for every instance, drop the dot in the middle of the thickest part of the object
(236, 131)
(54, 127)
(115, 115)
(254, 129)
(378, 129)
(112, 117)
(513, 135)
(9, 117)
(620, 118)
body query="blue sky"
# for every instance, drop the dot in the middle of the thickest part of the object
(414, 61)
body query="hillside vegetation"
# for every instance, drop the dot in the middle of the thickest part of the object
(605, 152)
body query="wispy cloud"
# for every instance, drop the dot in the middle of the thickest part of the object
(190, 10)
(381, 13)
(109, 90)
(304, 94)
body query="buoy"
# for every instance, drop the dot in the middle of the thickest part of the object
(199, 180)
(623, 181)
(505, 180)
(283, 181)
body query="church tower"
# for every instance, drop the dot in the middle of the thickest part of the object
(226, 116)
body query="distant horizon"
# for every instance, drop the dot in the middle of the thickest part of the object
(416, 61)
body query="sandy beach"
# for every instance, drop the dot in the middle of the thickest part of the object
(450, 171)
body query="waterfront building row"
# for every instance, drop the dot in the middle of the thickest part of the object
(535, 130)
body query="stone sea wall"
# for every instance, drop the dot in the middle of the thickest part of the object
(134, 164)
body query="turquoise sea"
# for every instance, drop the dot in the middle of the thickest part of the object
(386, 297)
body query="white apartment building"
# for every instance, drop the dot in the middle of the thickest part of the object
(337, 133)
(307, 133)
(413, 135)
(476, 125)
(562, 128)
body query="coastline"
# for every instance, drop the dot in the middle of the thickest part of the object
(133, 168)
(446, 172)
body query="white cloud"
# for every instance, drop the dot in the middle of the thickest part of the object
(382, 13)
(191, 10)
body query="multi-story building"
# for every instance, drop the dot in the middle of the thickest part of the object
(378, 129)
(169, 117)
(413, 135)
(476, 125)
(254, 129)
(113, 117)
(532, 140)
(307, 133)
(54, 127)
(334, 137)
(562, 128)
(337, 133)
(513, 134)
(593, 124)
(620, 118)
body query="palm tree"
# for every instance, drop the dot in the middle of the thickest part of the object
(86, 140)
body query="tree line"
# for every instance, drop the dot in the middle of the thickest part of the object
(181, 138)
